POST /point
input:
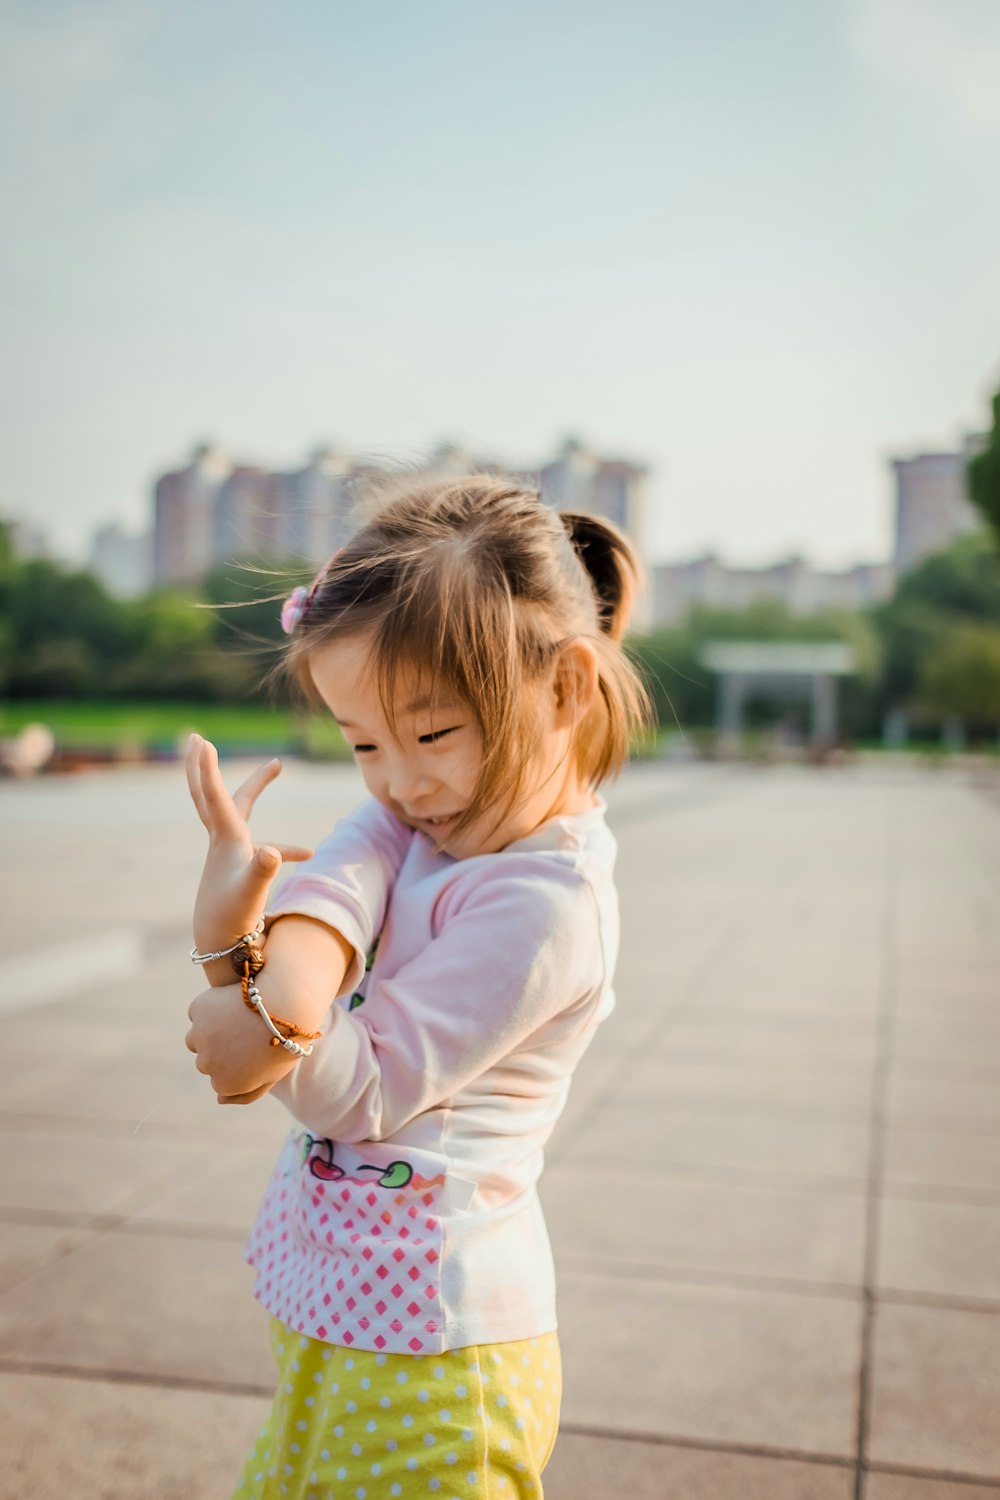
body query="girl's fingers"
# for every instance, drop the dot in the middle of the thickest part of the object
(244, 1098)
(266, 863)
(192, 770)
(222, 816)
(246, 795)
(291, 853)
(268, 859)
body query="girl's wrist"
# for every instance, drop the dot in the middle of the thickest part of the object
(219, 973)
(223, 963)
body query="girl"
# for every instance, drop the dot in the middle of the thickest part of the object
(464, 922)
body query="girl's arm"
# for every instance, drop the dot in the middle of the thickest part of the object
(237, 875)
(322, 924)
(305, 969)
(516, 953)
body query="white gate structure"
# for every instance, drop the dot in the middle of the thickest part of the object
(783, 669)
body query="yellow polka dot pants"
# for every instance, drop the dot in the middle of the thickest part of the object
(349, 1424)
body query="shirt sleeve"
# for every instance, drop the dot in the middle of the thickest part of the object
(347, 883)
(517, 951)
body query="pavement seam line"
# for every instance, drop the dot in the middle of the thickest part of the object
(876, 1160)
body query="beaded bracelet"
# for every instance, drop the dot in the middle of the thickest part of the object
(246, 941)
(253, 998)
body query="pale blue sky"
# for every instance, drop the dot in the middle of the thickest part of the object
(753, 243)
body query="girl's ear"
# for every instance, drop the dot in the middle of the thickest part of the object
(576, 680)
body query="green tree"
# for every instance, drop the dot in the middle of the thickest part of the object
(960, 585)
(984, 475)
(172, 650)
(961, 676)
(64, 634)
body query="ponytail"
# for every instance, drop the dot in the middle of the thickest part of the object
(610, 562)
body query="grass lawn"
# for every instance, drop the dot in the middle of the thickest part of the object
(104, 726)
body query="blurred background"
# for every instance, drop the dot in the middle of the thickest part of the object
(728, 275)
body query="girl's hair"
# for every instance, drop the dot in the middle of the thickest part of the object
(475, 583)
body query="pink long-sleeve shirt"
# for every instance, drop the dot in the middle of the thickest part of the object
(403, 1214)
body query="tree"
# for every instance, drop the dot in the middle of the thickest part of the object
(984, 475)
(964, 579)
(65, 635)
(959, 586)
(962, 675)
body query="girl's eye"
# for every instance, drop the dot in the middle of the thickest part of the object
(438, 734)
(360, 749)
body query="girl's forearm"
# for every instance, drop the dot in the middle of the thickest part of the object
(304, 967)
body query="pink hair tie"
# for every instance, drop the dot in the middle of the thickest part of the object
(296, 606)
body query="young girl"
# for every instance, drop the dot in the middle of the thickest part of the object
(464, 922)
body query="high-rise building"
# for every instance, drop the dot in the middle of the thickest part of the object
(315, 505)
(932, 503)
(804, 589)
(212, 511)
(578, 479)
(246, 515)
(183, 515)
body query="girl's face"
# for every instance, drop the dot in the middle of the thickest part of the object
(427, 771)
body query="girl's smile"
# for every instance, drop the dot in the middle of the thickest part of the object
(426, 768)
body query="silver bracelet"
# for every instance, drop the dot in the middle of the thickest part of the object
(244, 942)
(289, 1044)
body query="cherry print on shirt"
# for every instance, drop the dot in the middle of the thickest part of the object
(396, 1175)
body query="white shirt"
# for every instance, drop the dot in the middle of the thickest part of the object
(404, 1216)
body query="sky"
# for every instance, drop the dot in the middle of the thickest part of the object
(752, 244)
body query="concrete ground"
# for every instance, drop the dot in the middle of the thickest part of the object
(774, 1198)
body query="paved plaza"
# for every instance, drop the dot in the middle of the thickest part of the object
(774, 1197)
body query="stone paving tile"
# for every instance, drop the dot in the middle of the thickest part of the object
(141, 1303)
(709, 1363)
(941, 1036)
(955, 1161)
(743, 1141)
(76, 1173)
(952, 1249)
(935, 1384)
(806, 990)
(967, 966)
(930, 1092)
(59, 1036)
(132, 1442)
(652, 1083)
(721, 1038)
(113, 1089)
(905, 1487)
(966, 1009)
(224, 1192)
(26, 1248)
(171, 1094)
(697, 1226)
(595, 1468)
(786, 972)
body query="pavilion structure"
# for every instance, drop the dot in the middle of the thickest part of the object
(781, 669)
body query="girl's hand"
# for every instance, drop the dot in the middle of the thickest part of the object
(230, 1044)
(237, 875)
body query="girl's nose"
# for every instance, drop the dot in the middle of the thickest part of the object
(407, 785)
